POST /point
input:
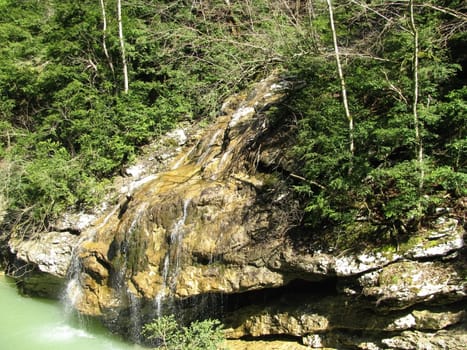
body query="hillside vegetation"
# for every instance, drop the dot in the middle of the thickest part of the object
(379, 111)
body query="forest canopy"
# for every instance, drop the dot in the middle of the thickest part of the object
(380, 115)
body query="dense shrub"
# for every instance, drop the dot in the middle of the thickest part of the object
(200, 335)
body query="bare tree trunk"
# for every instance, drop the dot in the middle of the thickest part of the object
(311, 10)
(342, 81)
(297, 8)
(122, 45)
(104, 35)
(416, 119)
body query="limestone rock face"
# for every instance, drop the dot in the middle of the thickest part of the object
(210, 233)
(319, 315)
(207, 224)
(407, 283)
(409, 340)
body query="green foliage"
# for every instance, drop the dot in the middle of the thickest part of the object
(163, 329)
(200, 335)
(66, 123)
(451, 128)
(67, 126)
(378, 188)
(395, 192)
(445, 179)
(43, 183)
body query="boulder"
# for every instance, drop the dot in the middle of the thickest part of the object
(41, 262)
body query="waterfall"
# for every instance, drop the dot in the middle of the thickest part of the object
(135, 316)
(74, 292)
(132, 263)
(171, 264)
(184, 157)
(162, 293)
(73, 288)
(176, 237)
(122, 283)
(212, 141)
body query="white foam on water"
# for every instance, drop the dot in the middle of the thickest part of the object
(63, 333)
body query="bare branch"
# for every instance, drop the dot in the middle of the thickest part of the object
(448, 11)
(298, 177)
(395, 89)
(104, 35)
(416, 119)
(342, 80)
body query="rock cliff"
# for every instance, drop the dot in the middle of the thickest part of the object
(211, 232)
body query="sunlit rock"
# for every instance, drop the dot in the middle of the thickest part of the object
(406, 283)
(446, 237)
(416, 340)
(211, 232)
(205, 226)
(42, 261)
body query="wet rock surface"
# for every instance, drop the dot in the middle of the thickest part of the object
(202, 228)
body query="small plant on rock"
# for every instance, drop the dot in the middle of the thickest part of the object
(200, 335)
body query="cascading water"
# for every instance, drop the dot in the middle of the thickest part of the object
(73, 293)
(176, 237)
(137, 262)
(135, 304)
(171, 264)
(158, 300)
(135, 316)
(184, 157)
(207, 148)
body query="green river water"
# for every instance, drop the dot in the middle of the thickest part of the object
(39, 324)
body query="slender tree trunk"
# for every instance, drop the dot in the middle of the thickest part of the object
(342, 81)
(104, 35)
(122, 45)
(416, 119)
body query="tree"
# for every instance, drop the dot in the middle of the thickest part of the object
(60, 102)
(400, 70)
(104, 35)
(342, 81)
(122, 46)
(416, 119)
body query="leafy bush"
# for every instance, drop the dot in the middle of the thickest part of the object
(200, 335)
(395, 192)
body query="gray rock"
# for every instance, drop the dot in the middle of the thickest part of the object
(416, 340)
(41, 262)
(406, 283)
(444, 239)
(179, 136)
(50, 252)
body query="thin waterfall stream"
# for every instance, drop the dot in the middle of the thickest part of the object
(171, 264)
(176, 237)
